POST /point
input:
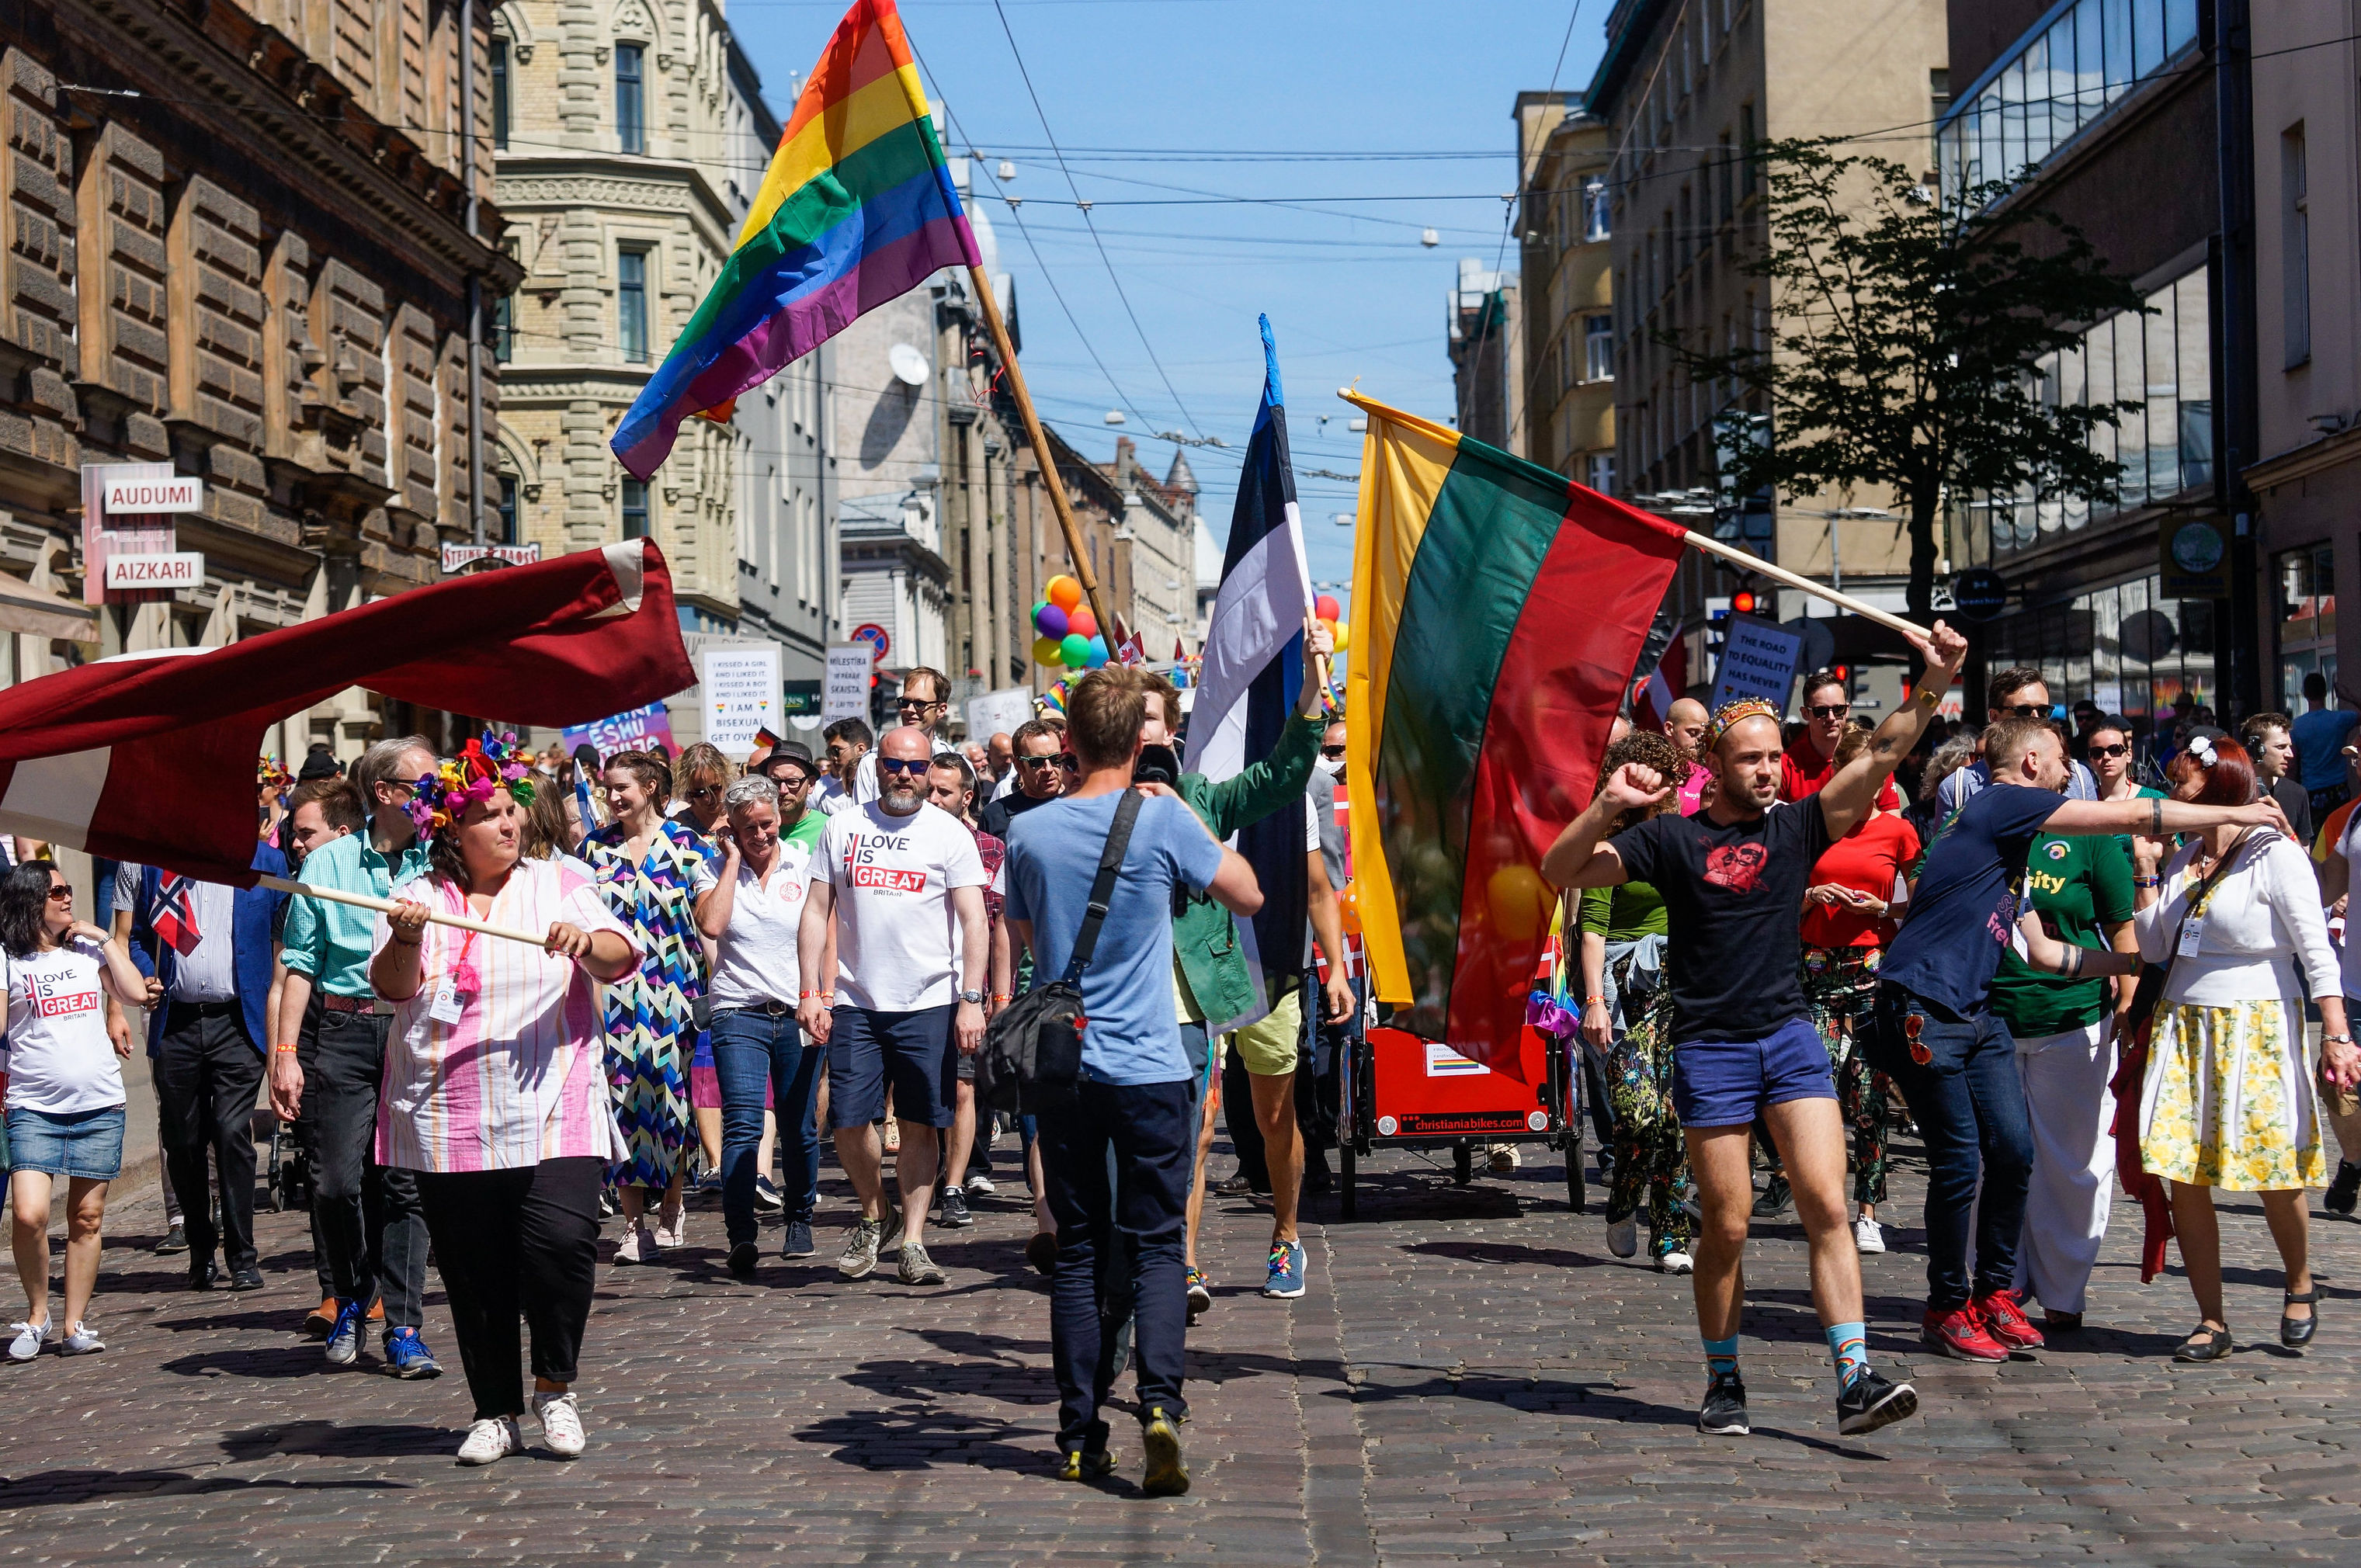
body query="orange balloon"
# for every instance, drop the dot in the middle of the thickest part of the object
(1083, 622)
(1064, 592)
(1519, 900)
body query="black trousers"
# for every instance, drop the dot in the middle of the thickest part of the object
(512, 1242)
(1116, 1160)
(207, 1075)
(365, 1226)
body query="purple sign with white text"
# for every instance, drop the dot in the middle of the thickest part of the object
(637, 730)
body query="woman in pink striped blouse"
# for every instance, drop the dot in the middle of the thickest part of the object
(493, 1089)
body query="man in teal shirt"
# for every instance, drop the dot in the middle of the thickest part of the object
(327, 1059)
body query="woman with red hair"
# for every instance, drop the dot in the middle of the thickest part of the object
(2227, 1101)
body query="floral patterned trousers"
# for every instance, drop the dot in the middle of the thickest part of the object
(1840, 986)
(1651, 1159)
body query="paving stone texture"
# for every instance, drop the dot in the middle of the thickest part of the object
(1472, 1377)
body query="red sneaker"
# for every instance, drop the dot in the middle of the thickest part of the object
(1959, 1333)
(2006, 1321)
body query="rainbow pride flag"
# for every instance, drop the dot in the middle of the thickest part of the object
(1498, 609)
(857, 208)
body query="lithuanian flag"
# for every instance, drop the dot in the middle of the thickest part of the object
(1498, 609)
(857, 208)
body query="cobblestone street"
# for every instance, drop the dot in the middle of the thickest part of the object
(1471, 1377)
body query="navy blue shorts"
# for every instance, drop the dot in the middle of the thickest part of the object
(1725, 1083)
(914, 1051)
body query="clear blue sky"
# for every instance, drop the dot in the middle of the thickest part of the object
(1167, 101)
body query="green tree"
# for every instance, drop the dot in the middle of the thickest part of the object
(1906, 334)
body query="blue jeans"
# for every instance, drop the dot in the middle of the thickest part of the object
(1116, 1160)
(749, 1048)
(1970, 1104)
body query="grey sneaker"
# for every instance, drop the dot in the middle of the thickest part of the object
(918, 1268)
(859, 1258)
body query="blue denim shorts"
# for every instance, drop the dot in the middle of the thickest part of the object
(1725, 1083)
(912, 1052)
(84, 1143)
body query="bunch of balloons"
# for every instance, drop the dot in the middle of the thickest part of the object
(1332, 615)
(1070, 637)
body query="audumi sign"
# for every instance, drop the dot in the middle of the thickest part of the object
(146, 497)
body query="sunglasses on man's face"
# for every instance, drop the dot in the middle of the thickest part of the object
(908, 703)
(1038, 762)
(1829, 709)
(904, 766)
(1332, 751)
(2028, 710)
(2118, 749)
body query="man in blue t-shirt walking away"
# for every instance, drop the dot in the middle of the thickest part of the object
(1733, 878)
(2320, 736)
(1133, 1095)
(1933, 1032)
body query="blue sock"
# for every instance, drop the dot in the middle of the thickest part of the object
(1849, 1347)
(1722, 1355)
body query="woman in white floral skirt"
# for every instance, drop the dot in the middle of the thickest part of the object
(2228, 1098)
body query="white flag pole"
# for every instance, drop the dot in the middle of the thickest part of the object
(366, 901)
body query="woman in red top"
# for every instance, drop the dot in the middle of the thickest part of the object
(1850, 914)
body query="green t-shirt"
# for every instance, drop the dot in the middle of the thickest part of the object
(2081, 884)
(1624, 913)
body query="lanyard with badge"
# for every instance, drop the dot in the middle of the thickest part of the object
(2192, 925)
(450, 1002)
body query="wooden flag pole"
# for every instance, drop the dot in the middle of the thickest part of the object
(1112, 628)
(1731, 552)
(387, 905)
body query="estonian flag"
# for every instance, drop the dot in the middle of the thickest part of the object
(1252, 674)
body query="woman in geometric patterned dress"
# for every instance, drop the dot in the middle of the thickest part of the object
(646, 864)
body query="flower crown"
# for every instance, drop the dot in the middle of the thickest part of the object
(495, 761)
(266, 770)
(1730, 714)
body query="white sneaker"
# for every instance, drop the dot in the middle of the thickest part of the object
(81, 1340)
(980, 1184)
(492, 1439)
(1866, 1236)
(29, 1339)
(672, 1233)
(637, 1246)
(561, 1424)
(1676, 1263)
(1623, 1235)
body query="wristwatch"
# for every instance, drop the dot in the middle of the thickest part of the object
(975, 996)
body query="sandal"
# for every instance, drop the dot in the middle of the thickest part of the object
(2297, 1331)
(2203, 1344)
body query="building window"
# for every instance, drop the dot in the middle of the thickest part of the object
(2054, 82)
(2307, 620)
(503, 328)
(2295, 237)
(1746, 170)
(632, 304)
(1596, 224)
(635, 509)
(1599, 348)
(499, 92)
(504, 506)
(630, 99)
(1601, 475)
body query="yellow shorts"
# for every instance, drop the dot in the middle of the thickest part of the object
(1268, 1049)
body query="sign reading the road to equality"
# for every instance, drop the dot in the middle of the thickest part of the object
(845, 694)
(1760, 661)
(741, 693)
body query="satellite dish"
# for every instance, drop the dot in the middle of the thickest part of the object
(909, 365)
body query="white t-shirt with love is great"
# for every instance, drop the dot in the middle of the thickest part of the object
(898, 943)
(57, 1055)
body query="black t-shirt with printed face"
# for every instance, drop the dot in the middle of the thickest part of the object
(1734, 905)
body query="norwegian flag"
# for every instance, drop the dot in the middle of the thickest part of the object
(88, 755)
(176, 913)
(1652, 698)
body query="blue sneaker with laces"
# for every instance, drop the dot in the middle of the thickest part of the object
(406, 1355)
(1286, 1279)
(344, 1346)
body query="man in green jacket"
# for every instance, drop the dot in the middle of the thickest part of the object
(1211, 985)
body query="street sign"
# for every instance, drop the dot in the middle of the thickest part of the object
(1979, 593)
(2193, 557)
(846, 692)
(801, 699)
(142, 495)
(741, 693)
(1759, 661)
(170, 569)
(874, 635)
(459, 557)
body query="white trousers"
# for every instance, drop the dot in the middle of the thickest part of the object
(2067, 1102)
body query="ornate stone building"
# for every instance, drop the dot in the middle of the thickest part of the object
(238, 244)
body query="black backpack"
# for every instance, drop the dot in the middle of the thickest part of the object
(1036, 1044)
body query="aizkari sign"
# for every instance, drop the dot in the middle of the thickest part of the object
(175, 569)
